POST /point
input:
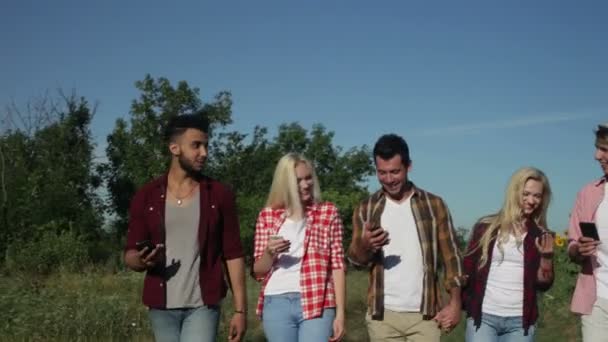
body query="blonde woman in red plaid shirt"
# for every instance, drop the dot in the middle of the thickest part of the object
(299, 258)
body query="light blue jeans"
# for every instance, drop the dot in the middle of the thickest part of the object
(498, 329)
(185, 325)
(282, 320)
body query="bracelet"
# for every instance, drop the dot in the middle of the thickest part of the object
(548, 255)
(239, 312)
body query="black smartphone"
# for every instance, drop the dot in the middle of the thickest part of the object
(145, 243)
(589, 230)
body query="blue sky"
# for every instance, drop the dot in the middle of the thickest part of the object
(477, 88)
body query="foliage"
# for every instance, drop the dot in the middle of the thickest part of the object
(47, 171)
(54, 248)
(75, 307)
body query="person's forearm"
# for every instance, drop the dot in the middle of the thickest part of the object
(455, 298)
(263, 265)
(545, 271)
(236, 273)
(358, 254)
(339, 278)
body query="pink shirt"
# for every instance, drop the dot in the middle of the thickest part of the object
(587, 202)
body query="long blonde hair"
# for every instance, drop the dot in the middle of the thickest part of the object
(284, 191)
(503, 223)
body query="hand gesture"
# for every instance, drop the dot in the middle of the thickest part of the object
(338, 329)
(238, 325)
(448, 318)
(277, 245)
(544, 243)
(147, 258)
(587, 246)
(374, 237)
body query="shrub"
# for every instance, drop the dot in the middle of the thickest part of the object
(52, 250)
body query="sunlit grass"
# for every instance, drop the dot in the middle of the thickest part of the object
(102, 306)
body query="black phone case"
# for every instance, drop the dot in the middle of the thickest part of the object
(589, 230)
(146, 243)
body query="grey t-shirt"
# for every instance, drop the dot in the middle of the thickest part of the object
(183, 254)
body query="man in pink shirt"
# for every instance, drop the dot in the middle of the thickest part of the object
(590, 298)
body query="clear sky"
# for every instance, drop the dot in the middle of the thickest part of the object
(477, 88)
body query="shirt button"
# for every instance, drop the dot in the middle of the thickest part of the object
(161, 285)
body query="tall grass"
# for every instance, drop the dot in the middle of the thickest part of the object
(98, 305)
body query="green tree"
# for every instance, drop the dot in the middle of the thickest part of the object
(50, 176)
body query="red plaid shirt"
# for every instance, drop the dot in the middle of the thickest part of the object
(323, 252)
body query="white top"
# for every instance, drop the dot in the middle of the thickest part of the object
(403, 269)
(505, 287)
(601, 221)
(286, 275)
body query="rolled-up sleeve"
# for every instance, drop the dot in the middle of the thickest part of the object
(336, 246)
(356, 254)
(261, 236)
(450, 251)
(574, 231)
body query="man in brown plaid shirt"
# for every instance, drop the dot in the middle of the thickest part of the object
(404, 235)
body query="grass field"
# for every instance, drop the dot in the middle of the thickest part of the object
(99, 306)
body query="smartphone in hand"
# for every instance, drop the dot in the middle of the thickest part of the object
(589, 229)
(145, 243)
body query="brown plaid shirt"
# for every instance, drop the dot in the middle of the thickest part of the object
(437, 240)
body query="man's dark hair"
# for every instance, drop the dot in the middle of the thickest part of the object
(390, 145)
(601, 133)
(178, 124)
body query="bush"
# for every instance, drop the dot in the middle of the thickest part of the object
(52, 250)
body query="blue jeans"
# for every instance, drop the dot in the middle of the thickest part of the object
(185, 325)
(282, 320)
(498, 329)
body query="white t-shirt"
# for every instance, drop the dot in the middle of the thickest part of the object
(403, 269)
(286, 275)
(505, 287)
(601, 221)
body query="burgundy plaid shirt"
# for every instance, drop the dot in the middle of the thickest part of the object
(473, 293)
(323, 252)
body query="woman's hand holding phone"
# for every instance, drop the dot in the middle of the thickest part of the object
(277, 245)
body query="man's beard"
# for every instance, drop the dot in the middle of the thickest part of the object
(187, 166)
